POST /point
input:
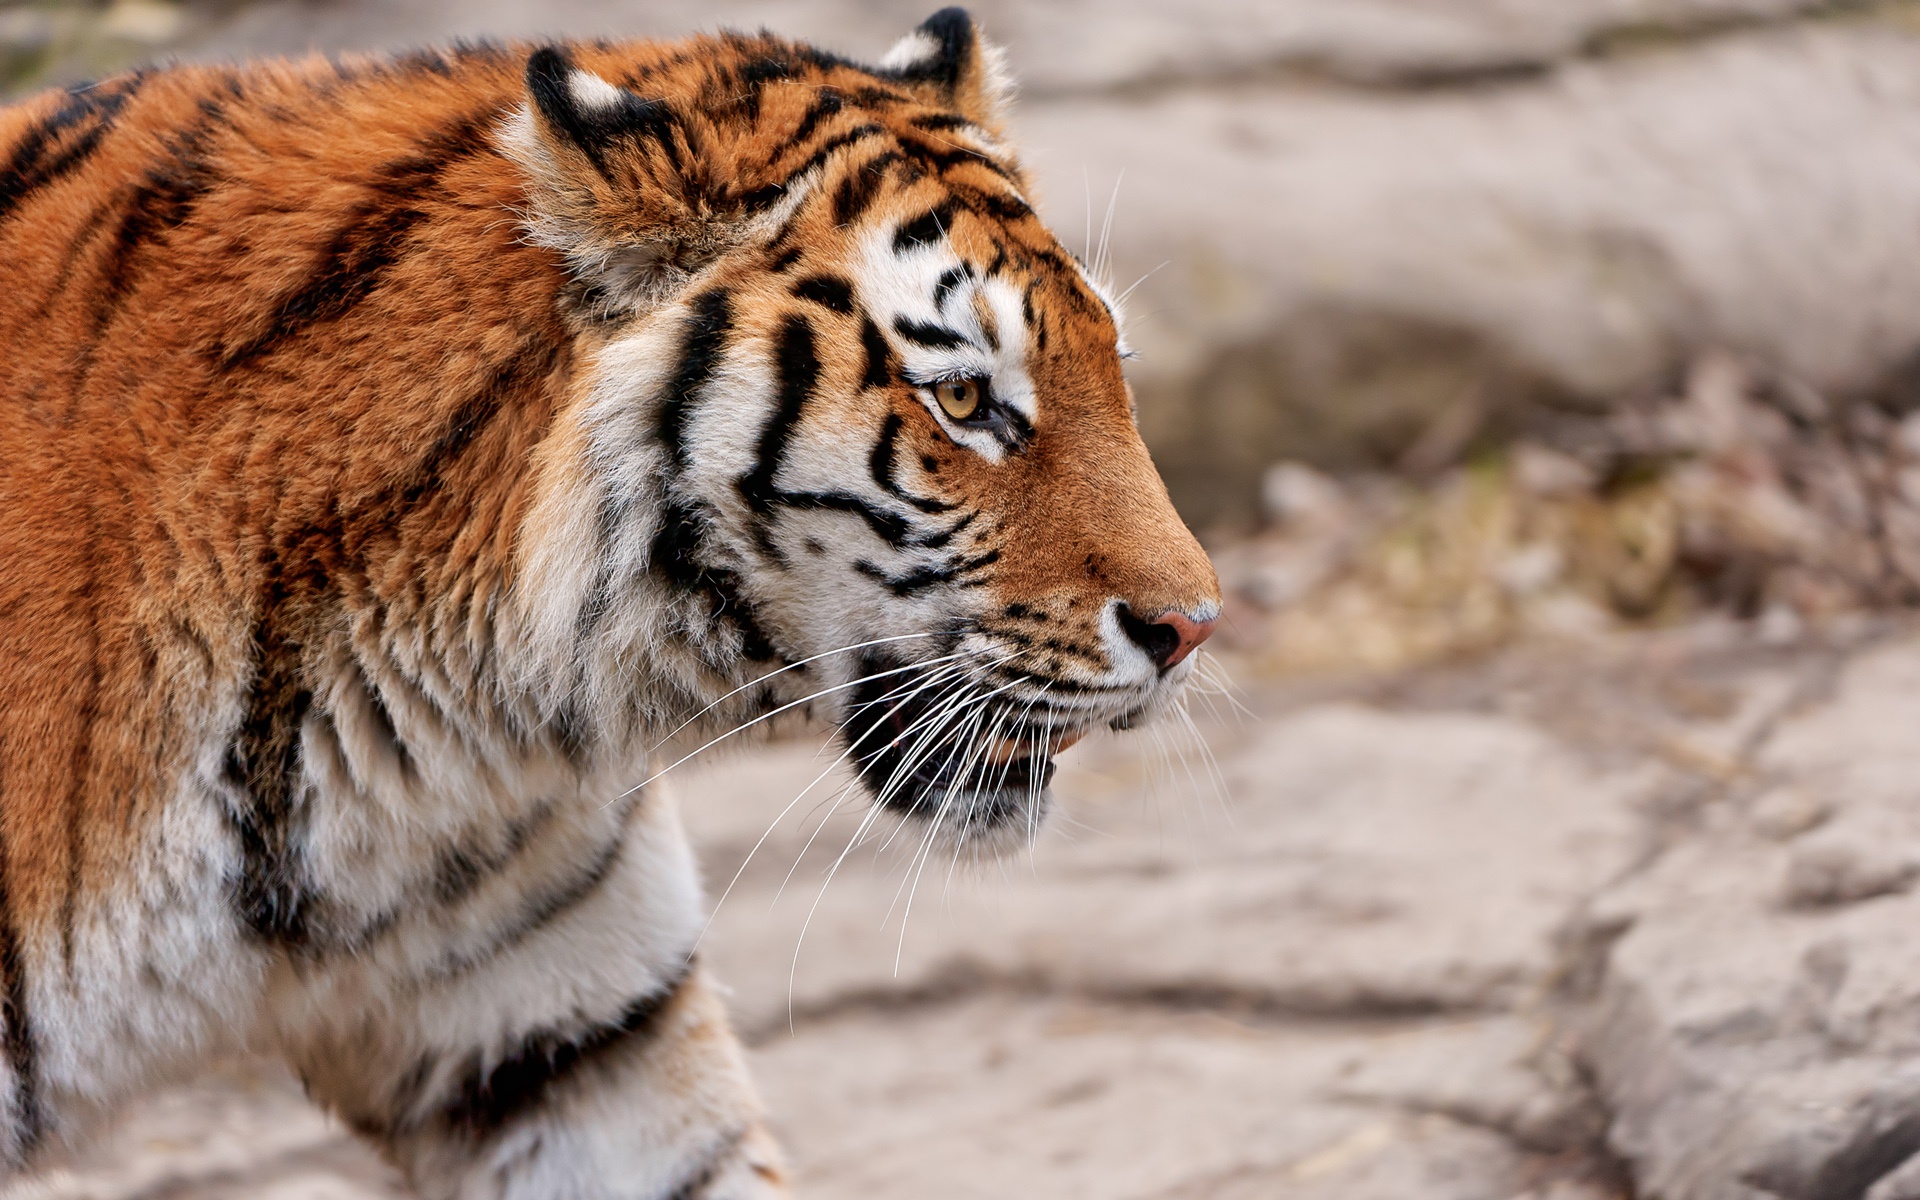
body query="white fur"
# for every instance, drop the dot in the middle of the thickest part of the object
(909, 51)
(591, 91)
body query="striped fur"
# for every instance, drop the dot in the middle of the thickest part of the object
(395, 451)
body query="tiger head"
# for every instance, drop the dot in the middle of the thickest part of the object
(854, 431)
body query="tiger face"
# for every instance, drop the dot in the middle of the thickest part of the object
(860, 412)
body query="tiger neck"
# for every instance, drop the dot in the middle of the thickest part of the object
(620, 621)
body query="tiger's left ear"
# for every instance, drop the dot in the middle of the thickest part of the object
(947, 60)
(626, 187)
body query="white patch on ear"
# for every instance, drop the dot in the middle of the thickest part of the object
(910, 51)
(590, 91)
(996, 80)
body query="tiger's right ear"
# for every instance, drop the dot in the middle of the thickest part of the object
(622, 185)
(947, 60)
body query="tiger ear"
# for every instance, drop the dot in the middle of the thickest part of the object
(579, 113)
(947, 60)
(620, 184)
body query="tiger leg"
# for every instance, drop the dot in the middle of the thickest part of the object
(574, 1050)
(652, 1101)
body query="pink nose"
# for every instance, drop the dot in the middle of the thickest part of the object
(1167, 638)
(1189, 633)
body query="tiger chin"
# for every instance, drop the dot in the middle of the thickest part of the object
(398, 452)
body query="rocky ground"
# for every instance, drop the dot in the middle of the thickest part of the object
(1627, 915)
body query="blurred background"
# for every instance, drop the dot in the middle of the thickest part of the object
(1544, 376)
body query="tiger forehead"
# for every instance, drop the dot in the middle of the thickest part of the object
(914, 218)
(787, 107)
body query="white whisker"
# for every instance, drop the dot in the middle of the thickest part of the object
(793, 666)
(781, 890)
(767, 716)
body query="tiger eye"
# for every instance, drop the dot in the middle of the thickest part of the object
(960, 398)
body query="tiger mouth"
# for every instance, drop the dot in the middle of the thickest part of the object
(924, 752)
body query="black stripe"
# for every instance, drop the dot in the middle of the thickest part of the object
(938, 337)
(937, 541)
(162, 202)
(1018, 430)
(925, 229)
(349, 271)
(677, 556)
(677, 546)
(761, 198)
(669, 65)
(881, 464)
(828, 291)
(940, 120)
(879, 368)
(945, 158)
(485, 1100)
(858, 133)
(707, 329)
(458, 871)
(752, 78)
(423, 61)
(922, 578)
(950, 279)
(859, 186)
(70, 253)
(999, 206)
(270, 894)
(34, 164)
(355, 260)
(890, 528)
(798, 367)
(873, 96)
(829, 104)
(384, 726)
(545, 906)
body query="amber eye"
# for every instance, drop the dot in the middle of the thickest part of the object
(960, 397)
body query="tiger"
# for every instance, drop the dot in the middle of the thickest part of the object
(397, 452)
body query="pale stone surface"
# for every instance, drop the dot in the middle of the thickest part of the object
(1366, 861)
(1755, 1027)
(994, 1098)
(244, 1133)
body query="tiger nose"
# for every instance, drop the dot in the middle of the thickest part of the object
(1167, 638)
